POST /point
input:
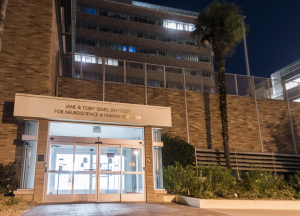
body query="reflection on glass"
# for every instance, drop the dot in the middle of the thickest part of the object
(31, 127)
(110, 183)
(158, 173)
(132, 183)
(28, 165)
(110, 158)
(132, 159)
(89, 130)
(59, 183)
(156, 135)
(84, 183)
(85, 158)
(61, 157)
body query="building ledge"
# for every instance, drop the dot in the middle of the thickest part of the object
(160, 191)
(23, 191)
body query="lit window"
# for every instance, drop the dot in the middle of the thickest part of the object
(124, 48)
(132, 49)
(178, 25)
(78, 58)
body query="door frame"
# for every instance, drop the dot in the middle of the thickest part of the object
(91, 141)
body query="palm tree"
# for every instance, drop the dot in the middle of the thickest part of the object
(3, 4)
(221, 25)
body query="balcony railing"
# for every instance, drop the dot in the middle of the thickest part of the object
(90, 67)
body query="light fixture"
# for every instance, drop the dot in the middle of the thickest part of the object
(136, 152)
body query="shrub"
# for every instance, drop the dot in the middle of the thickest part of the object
(178, 180)
(216, 181)
(260, 184)
(294, 182)
(177, 149)
(8, 178)
(10, 201)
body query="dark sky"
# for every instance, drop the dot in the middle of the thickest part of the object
(274, 36)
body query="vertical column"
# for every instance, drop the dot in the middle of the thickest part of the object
(145, 81)
(73, 33)
(124, 72)
(251, 88)
(201, 77)
(149, 165)
(185, 104)
(290, 116)
(103, 78)
(81, 76)
(40, 174)
(236, 86)
(165, 81)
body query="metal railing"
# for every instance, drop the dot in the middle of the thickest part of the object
(90, 67)
(249, 160)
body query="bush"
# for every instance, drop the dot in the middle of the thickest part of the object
(295, 183)
(178, 180)
(216, 181)
(260, 184)
(10, 201)
(8, 178)
(177, 149)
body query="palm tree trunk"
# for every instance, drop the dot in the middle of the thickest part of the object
(220, 60)
(3, 4)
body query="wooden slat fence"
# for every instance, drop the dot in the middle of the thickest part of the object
(246, 160)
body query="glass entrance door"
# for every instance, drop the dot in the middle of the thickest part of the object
(90, 172)
(121, 174)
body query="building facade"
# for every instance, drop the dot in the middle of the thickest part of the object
(87, 87)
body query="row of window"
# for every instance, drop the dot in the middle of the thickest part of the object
(142, 50)
(141, 81)
(135, 18)
(134, 33)
(136, 65)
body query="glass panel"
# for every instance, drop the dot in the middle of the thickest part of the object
(262, 88)
(59, 183)
(110, 183)
(85, 158)
(132, 159)
(61, 157)
(132, 183)
(158, 173)
(84, 183)
(28, 165)
(31, 127)
(110, 159)
(103, 131)
(156, 135)
(230, 84)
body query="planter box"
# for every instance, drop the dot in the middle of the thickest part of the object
(239, 204)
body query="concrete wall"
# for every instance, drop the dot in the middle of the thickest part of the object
(27, 65)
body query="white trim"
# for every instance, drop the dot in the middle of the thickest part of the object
(158, 144)
(26, 137)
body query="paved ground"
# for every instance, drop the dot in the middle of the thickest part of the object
(109, 209)
(141, 209)
(244, 212)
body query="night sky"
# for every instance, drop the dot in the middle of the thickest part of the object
(274, 35)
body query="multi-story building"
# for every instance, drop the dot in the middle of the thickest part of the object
(88, 86)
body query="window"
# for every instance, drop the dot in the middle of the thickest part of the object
(29, 155)
(158, 172)
(155, 68)
(134, 65)
(135, 81)
(114, 78)
(132, 49)
(178, 25)
(192, 72)
(174, 85)
(191, 87)
(155, 83)
(112, 62)
(156, 135)
(173, 70)
(209, 89)
(92, 76)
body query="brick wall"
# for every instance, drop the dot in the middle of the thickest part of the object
(204, 115)
(27, 62)
(295, 107)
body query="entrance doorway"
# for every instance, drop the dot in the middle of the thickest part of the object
(95, 172)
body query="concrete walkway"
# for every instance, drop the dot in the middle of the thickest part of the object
(108, 209)
(141, 209)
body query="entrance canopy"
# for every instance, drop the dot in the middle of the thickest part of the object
(29, 106)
